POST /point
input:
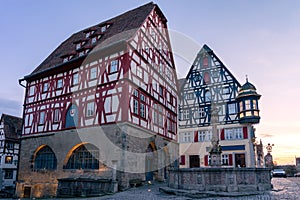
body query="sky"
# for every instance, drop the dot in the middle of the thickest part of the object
(260, 39)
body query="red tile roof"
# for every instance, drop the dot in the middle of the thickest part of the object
(121, 28)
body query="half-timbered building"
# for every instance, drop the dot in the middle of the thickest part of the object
(209, 82)
(10, 130)
(101, 109)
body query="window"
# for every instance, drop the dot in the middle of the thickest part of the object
(205, 62)
(233, 133)
(185, 114)
(8, 159)
(201, 136)
(8, 174)
(143, 97)
(226, 90)
(231, 108)
(103, 29)
(136, 93)
(187, 137)
(84, 157)
(90, 109)
(254, 102)
(59, 83)
(45, 159)
(189, 96)
(161, 91)
(247, 105)
(113, 66)
(56, 117)
(225, 159)
(142, 110)
(78, 46)
(45, 87)
(42, 117)
(10, 145)
(207, 96)
(75, 79)
(135, 106)
(94, 40)
(206, 78)
(160, 116)
(31, 90)
(93, 73)
(139, 72)
(199, 113)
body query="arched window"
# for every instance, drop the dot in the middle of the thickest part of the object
(84, 157)
(45, 159)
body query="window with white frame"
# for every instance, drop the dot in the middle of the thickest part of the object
(160, 116)
(93, 73)
(187, 137)
(31, 90)
(90, 109)
(232, 108)
(114, 66)
(207, 96)
(59, 83)
(208, 134)
(94, 40)
(103, 29)
(135, 106)
(75, 79)
(225, 159)
(190, 96)
(142, 110)
(199, 113)
(185, 114)
(233, 133)
(226, 90)
(139, 72)
(42, 117)
(45, 87)
(201, 136)
(56, 117)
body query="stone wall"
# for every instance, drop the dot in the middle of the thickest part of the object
(221, 179)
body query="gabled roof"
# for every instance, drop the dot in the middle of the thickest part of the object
(12, 126)
(211, 53)
(121, 28)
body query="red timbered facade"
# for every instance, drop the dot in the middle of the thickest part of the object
(118, 72)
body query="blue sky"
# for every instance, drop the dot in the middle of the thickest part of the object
(257, 38)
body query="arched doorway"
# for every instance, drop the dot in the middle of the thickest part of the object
(149, 162)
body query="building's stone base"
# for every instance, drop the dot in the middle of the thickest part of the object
(124, 159)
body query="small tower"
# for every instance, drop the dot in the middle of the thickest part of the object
(248, 104)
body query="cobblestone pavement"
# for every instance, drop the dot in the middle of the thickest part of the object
(283, 188)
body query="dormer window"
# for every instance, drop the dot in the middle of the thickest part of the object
(89, 33)
(67, 58)
(78, 46)
(83, 52)
(103, 29)
(94, 40)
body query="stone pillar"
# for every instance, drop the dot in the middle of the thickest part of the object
(215, 151)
